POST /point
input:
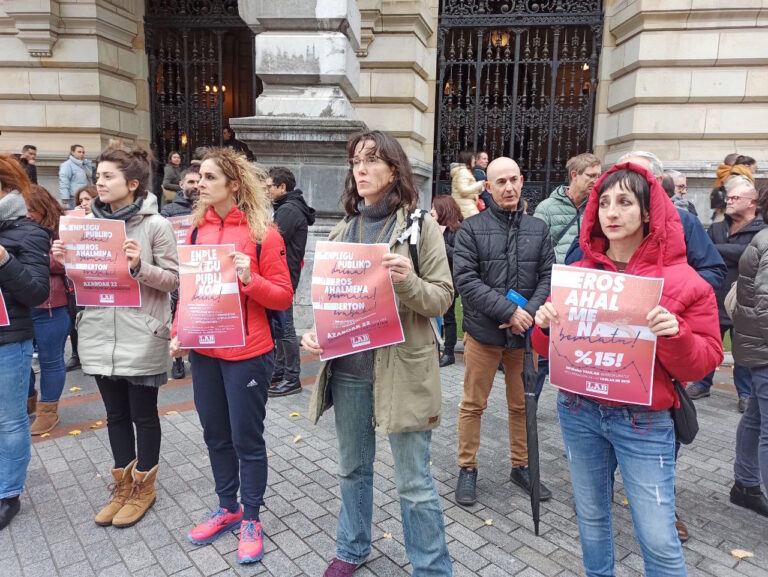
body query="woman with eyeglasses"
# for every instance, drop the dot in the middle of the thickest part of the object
(394, 390)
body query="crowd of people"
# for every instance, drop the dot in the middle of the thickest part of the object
(479, 243)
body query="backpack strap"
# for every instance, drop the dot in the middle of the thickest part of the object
(417, 218)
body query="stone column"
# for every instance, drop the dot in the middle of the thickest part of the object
(306, 58)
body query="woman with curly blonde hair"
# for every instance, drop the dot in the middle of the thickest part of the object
(230, 384)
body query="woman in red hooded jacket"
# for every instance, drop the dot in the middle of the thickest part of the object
(230, 384)
(631, 226)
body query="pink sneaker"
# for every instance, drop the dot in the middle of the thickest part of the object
(217, 523)
(251, 548)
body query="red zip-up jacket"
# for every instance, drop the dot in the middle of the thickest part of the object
(696, 349)
(270, 286)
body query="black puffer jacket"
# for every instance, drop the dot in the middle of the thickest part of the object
(181, 206)
(731, 247)
(750, 319)
(449, 238)
(24, 278)
(495, 251)
(293, 218)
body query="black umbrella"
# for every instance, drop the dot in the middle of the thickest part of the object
(529, 375)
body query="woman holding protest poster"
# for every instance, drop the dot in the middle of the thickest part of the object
(23, 284)
(230, 384)
(393, 389)
(630, 226)
(124, 347)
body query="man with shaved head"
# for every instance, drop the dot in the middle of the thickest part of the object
(497, 251)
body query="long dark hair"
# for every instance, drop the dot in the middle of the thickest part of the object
(448, 212)
(465, 158)
(401, 193)
(42, 202)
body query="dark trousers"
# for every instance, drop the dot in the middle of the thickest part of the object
(130, 406)
(449, 329)
(742, 377)
(288, 360)
(231, 399)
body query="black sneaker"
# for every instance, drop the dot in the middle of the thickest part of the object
(177, 370)
(749, 498)
(447, 360)
(522, 478)
(73, 363)
(466, 486)
(284, 388)
(9, 507)
(276, 379)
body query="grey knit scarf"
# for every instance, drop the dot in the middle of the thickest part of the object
(12, 206)
(101, 210)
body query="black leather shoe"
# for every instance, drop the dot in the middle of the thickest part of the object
(447, 360)
(466, 487)
(73, 363)
(276, 379)
(284, 388)
(177, 370)
(749, 498)
(8, 509)
(522, 478)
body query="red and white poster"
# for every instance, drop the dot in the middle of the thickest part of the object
(209, 313)
(4, 320)
(181, 226)
(79, 212)
(96, 263)
(602, 346)
(353, 299)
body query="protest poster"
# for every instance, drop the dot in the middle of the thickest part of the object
(4, 320)
(353, 300)
(209, 313)
(181, 226)
(602, 346)
(79, 212)
(96, 263)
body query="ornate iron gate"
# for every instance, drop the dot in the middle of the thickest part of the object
(186, 84)
(517, 78)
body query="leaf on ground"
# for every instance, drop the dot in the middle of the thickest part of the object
(430, 463)
(73, 389)
(95, 425)
(172, 413)
(75, 432)
(269, 454)
(489, 521)
(294, 414)
(741, 554)
(44, 435)
(625, 502)
(387, 535)
(296, 439)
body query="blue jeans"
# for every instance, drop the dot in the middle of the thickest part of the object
(751, 464)
(642, 443)
(51, 330)
(420, 507)
(742, 378)
(15, 360)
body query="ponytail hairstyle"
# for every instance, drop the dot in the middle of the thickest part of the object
(135, 164)
(251, 198)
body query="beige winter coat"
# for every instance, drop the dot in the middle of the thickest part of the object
(407, 394)
(465, 190)
(121, 341)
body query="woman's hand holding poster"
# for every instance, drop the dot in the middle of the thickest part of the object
(96, 262)
(209, 313)
(353, 299)
(601, 346)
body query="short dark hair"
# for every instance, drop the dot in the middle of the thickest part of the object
(229, 129)
(28, 147)
(465, 158)
(134, 164)
(668, 184)
(193, 169)
(171, 153)
(72, 148)
(745, 160)
(632, 181)
(401, 193)
(281, 175)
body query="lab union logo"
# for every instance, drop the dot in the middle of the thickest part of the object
(107, 299)
(599, 388)
(207, 340)
(360, 341)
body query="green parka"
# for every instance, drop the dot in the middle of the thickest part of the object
(558, 211)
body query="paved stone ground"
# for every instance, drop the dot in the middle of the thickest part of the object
(55, 535)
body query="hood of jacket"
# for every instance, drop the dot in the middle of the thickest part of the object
(296, 199)
(664, 245)
(456, 167)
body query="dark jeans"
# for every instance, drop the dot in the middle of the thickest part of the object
(449, 329)
(742, 378)
(751, 466)
(51, 330)
(288, 361)
(73, 310)
(128, 406)
(231, 399)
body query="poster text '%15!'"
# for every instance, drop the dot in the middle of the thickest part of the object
(599, 359)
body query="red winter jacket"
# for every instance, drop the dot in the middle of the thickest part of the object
(696, 349)
(270, 286)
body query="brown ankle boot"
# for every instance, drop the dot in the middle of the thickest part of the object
(141, 498)
(47, 418)
(119, 491)
(32, 404)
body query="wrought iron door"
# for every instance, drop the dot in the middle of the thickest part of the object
(517, 78)
(184, 49)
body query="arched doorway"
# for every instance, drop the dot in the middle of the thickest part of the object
(517, 78)
(200, 57)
